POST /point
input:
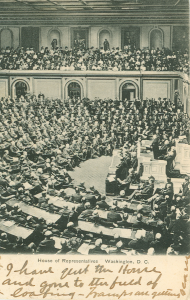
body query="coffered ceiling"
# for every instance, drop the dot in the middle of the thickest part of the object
(85, 11)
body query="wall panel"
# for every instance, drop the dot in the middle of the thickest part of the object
(49, 87)
(156, 89)
(101, 88)
(3, 87)
(101, 84)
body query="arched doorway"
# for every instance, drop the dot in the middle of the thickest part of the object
(6, 38)
(74, 90)
(104, 35)
(128, 91)
(54, 38)
(20, 89)
(156, 39)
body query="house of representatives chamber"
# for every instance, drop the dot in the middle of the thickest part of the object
(94, 127)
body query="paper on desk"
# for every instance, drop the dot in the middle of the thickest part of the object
(58, 242)
(102, 214)
(140, 233)
(125, 233)
(27, 186)
(8, 223)
(84, 248)
(85, 226)
(69, 191)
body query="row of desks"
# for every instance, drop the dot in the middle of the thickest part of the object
(11, 228)
(34, 211)
(131, 218)
(37, 212)
(85, 247)
(59, 202)
(122, 232)
(133, 205)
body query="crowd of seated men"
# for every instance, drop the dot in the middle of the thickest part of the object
(41, 139)
(94, 59)
(167, 219)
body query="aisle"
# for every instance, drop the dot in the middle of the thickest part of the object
(93, 172)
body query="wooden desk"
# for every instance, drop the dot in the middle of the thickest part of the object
(92, 228)
(133, 205)
(103, 214)
(34, 211)
(122, 232)
(131, 218)
(11, 228)
(59, 202)
(84, 249)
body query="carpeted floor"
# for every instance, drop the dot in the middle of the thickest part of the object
(92, 172)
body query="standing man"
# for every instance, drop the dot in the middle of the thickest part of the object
(54, 43)
(106, 45)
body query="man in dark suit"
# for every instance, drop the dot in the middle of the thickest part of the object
(118, 249)
(145, 191)
(167, 190)
(158, 244)
(87, 212)
(74, 244)
(102, 203)
(75, 198)
(73, 216)
(124, 223)
(97, 249)
(113, 216)
(139, 224)
(47, 245)
(155, 146)
(106, 45)
(70, 231)
(185, 187)
(139, 243)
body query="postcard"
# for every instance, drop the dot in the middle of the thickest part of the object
(94, 149)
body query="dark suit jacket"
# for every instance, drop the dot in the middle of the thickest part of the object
(113, 216)
(97, 250)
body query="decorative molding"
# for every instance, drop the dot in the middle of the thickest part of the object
(156, 28)
(55, 29)
(131, 82)
(174, 18)
(104, 29)
(19, 80)
(70, 81)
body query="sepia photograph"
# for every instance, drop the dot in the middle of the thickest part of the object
(94, 128)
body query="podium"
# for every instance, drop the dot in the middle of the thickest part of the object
(156, 168)
(185, 160)
(151, 166)
(142, 154)
(182, 160)
(116, 160)
(111, 182)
